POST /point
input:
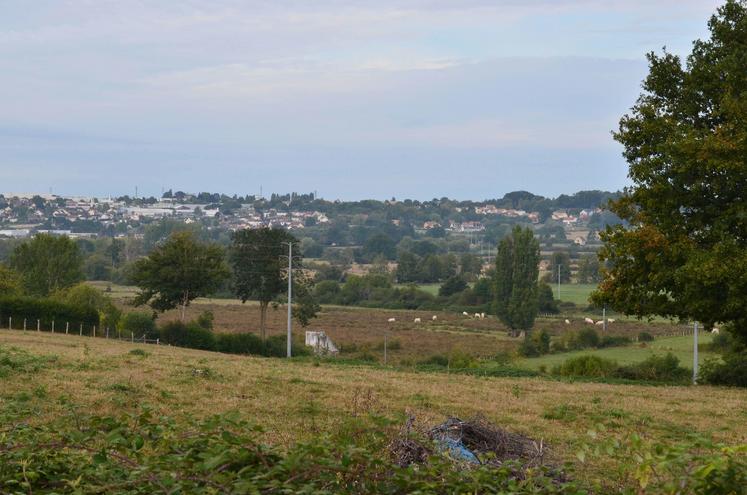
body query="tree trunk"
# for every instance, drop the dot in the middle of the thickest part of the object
(262, 319)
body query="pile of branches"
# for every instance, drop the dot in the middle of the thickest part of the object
(493, 445)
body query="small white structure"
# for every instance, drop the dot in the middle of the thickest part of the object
(321, 343)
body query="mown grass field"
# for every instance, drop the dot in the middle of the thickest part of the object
(681, 347)
(578, 294)
(296, 400)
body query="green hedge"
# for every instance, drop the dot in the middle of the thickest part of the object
(46, 310)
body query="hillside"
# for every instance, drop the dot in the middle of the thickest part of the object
(296, 400)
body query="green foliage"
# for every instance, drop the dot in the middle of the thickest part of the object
(187, 335)
(177, 272)
(732, 371)
(205, 320)
(47, 263)
(560, 260)
(452, 285)
(589, 270)
(686, 143)
(656, 368)
(144, 453)
(259, 272)
(588, 366)
(84, 295)
(584, 339)
(47, 310)
(249, 343)
(138, 324)
(11, 283)
(517, 269)
(645, 337)
(546, 302)
(16, 361)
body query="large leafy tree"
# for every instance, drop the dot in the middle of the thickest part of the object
(11, 283)
(47, 263)
(259, 268)
(179, 271)
(685, 253)
(516, 272)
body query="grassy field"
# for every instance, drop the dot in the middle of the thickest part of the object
(578, 294)
(296, 400)
(682, 347)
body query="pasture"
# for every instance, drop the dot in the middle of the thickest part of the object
(295, 400)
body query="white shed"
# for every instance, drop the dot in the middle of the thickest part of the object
(320, 342)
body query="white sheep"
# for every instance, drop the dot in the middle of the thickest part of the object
(482, 316)
(392, 320)
(610, 320)
(600, 323)
(416, 320)
(715, 331)
(567, 322)
(464, 313)
(434, 318)
(589, 321)
(477, 316)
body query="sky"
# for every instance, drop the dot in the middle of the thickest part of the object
(419, 99)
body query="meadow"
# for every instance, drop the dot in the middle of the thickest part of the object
(299, 399)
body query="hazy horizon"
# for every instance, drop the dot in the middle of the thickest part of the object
(412, 99)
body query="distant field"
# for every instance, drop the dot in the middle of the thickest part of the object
(576, 293)
(682, 347)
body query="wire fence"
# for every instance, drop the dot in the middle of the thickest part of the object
(80, 329)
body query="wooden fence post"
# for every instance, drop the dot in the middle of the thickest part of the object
(132, 337)
(94, 330)
(24, 324)
(52, 326)
(38, 325)
(67, 327)
(81, 329)
(10, 323)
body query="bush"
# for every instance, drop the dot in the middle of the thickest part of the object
(590, 366)
(47, 310)
(587, 337)
(187, 335)
(239, 343)
(205, 320)
(656, 368)
(436, 360)
(613, 341)
(731, 372)
(138, 324)
(528, 348)
(645, 337)
(721, 342)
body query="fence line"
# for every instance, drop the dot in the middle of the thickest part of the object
(132, 338)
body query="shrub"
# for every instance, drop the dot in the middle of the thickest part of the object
(47, 310)
(528, 348)
(187, 335)
(656, 368)
(587, 337)
(436, 360)
(721, 342)
(239, 343)
(138, 324)
(731, 372)
(645, 337)
(613, 341)
(590, 366)
(205, 320)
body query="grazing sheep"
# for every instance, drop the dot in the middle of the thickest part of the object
(600, 323)
(482, 316)
(715, 331)
(589, 321)
(567, 322)
(416, 320)
(434, 318)
(464, 313)
(392, 320)
(477, 315)
(610, 320)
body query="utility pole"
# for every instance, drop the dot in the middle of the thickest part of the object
(695, 353)
(290, 295)
(559, 266)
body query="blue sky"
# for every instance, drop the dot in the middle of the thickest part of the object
(355, 99)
